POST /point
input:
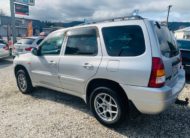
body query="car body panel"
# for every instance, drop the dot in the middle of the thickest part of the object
(126, 70)
(44, 70)
(131, 73)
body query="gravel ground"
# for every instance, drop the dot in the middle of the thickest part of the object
(46, 114)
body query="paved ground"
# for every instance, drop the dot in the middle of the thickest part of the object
(46, 114)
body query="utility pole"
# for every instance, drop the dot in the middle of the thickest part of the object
(12, 8)
(169, 7)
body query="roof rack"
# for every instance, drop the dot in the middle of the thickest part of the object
(133, 17)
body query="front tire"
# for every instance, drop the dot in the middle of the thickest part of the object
(23, 81)
(109, 108)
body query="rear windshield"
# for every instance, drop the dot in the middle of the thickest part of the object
(183, 44)
(124, 40)
(27, 41)
(167, 41)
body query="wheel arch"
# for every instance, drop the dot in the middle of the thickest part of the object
(98, 82)
(19, 66)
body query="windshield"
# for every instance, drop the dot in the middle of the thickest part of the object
(27, 41)
(183, 44)
(167, 41)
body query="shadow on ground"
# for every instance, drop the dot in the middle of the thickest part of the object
(5, 62)
(173, 122)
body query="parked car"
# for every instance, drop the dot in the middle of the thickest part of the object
(184, 46)
(109, 65)
(4, 49)
(25, 45)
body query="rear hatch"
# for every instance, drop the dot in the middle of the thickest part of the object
(23, 44)
(170, 54)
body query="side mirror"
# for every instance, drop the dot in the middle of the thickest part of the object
(35, 51)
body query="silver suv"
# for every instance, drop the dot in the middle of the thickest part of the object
(109, 65)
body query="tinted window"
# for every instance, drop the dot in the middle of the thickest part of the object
(27, 41)
(39, 41)
(124, 40)
(184, 44)
(52, 44)
(167, 42)
(85, 44)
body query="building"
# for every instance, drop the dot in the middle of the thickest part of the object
(22, 25)
(183, 33)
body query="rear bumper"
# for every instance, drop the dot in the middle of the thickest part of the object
(154, 100)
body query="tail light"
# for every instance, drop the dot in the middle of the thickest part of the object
(157, 78)
(28, 49)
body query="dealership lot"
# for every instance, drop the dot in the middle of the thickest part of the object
(46, 113)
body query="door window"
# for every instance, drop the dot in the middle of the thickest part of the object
(52, 44)
(39, 41)
(82, 43)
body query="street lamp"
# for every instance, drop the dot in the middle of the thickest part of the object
(169, 7)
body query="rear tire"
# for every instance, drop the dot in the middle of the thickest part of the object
(109, 108)
(23, 81)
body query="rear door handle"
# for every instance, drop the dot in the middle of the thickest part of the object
(88, 66)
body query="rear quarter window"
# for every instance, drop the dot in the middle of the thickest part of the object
(124, 40)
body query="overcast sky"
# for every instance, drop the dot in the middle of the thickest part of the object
(69, 10)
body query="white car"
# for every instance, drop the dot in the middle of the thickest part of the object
(4, 49)
(26, 44)
(109, 65)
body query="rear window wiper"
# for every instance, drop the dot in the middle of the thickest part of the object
(174, 51)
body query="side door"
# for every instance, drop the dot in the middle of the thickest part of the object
(44, 68)
(80, 59)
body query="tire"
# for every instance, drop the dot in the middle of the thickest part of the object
(119, 112)
(23, 81)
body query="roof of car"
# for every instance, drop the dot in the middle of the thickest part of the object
(102, 22)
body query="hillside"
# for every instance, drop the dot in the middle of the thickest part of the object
(178, 25)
